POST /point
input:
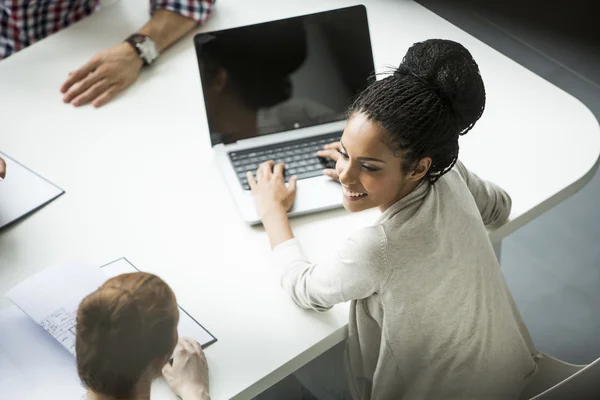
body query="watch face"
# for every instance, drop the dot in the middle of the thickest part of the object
(148, 50)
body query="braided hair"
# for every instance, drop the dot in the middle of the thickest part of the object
(433, 97)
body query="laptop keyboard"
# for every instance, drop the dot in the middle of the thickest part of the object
(299, 156)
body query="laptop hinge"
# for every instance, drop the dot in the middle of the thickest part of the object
(256, 140)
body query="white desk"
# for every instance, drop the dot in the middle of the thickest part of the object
(141, 181)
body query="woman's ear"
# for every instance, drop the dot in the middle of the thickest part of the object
(420, 170)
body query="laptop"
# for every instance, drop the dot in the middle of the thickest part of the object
(279, 91)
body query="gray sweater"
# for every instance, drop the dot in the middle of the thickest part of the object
(431, 316)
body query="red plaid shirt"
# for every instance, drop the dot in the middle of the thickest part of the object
(23, 22)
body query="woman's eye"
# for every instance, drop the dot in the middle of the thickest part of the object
(369, 168)
(343, 154)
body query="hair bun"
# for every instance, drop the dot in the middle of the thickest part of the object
(448, 69)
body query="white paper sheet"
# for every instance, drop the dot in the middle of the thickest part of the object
(23, 191)
(52, 296)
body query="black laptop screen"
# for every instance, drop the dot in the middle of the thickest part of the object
(283, 75)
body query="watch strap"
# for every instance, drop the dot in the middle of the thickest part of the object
(135, 40)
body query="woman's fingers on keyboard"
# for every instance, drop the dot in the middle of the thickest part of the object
(332, 174)
(333, 154)
(333, 146)
(278, 170)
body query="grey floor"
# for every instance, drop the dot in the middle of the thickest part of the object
(552, 265)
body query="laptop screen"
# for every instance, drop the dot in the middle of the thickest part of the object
(283, 75)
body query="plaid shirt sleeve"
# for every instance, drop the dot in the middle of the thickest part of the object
(198, 10)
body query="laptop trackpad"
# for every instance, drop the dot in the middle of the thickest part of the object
(317, 193)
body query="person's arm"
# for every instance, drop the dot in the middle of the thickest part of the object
(171, 19)
(166, 27)
(356, 271)
(494, 204)
(277, 226)
(115, 69)
(2, 169)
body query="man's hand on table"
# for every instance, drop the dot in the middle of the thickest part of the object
(115, 69)
(103, 77)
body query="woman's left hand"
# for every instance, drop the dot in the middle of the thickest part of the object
(270, 191)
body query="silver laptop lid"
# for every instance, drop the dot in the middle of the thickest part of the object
(283, 75)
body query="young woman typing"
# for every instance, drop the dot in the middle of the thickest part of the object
(431, 316)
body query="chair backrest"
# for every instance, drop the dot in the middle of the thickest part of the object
(557, 379)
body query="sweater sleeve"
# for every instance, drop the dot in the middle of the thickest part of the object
(494, 204)
(357, 270)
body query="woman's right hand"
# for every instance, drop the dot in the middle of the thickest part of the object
(188, 376)
(331, 150)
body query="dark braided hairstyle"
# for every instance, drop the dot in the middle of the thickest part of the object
(434, 96)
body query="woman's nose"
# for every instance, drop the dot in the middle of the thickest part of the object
(347, 176)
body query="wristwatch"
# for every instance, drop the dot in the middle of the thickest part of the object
(144, 46)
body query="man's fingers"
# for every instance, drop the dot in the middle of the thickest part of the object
(179, 349)
(331, 173)
(79, 74)
(92, 93)
(105, 97)
(185, 343)
(81, 86)
(196, 346)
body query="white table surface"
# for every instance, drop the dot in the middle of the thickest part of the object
(141, 181)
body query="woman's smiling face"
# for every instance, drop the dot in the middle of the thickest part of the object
(370, 174)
